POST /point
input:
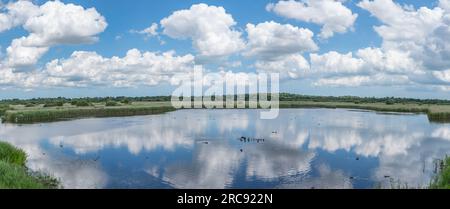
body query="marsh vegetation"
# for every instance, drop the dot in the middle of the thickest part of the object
(55, 109)
(442, 180)
(36, 115)
(14, 174)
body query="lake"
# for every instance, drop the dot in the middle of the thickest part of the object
(303, 148)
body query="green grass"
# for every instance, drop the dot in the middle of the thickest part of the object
(111, 104)
(366, 106)
(14, 174)
(438, 113)
(10, 154)
(39, 113)
(442, 181)
(3, 109)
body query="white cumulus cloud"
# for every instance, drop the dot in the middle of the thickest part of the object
(152, 30)
(415, 50)
(16, 14)
(415, 41)
(403, 27)
(270, 40)
(209, 27)
(291, 66)
(53, 23)
(379, 79)
(136, 68)
(332, 15)
(334, 62)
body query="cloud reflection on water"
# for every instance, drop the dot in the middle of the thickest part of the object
(404, 146)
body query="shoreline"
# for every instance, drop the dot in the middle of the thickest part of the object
(15, 174)
(54, 115)
(23, 115)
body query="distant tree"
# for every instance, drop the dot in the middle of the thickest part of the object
(390, 102)
(82, 103)
(111, 104)
(54, 104)
(3, 108)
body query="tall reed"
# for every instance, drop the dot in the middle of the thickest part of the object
(49, 115)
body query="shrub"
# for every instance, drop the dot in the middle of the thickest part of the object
(30, 105)
(3, 109)
(390, 102)
(54, 104)
(81, 103)
(111, 104)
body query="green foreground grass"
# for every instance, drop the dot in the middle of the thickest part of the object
(14, 174)
(442, 180)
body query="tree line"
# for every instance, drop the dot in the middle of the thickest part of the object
(112, 101)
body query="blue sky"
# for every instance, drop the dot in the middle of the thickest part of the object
(403, 70)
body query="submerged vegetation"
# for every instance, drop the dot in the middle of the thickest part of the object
(54, 109)
(14, 174)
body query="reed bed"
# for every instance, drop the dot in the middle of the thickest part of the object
(23, 115)
(435, 113)
(50, 115)
(442, 180)
(347, 105)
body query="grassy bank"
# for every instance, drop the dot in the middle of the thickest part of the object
(14, 174)
(442, 181)
(56, 109)
(22, 114)
(3, 109)
(366, 106)
(438, 113)
(42, 114)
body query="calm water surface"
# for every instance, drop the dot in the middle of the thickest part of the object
(303, 148)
